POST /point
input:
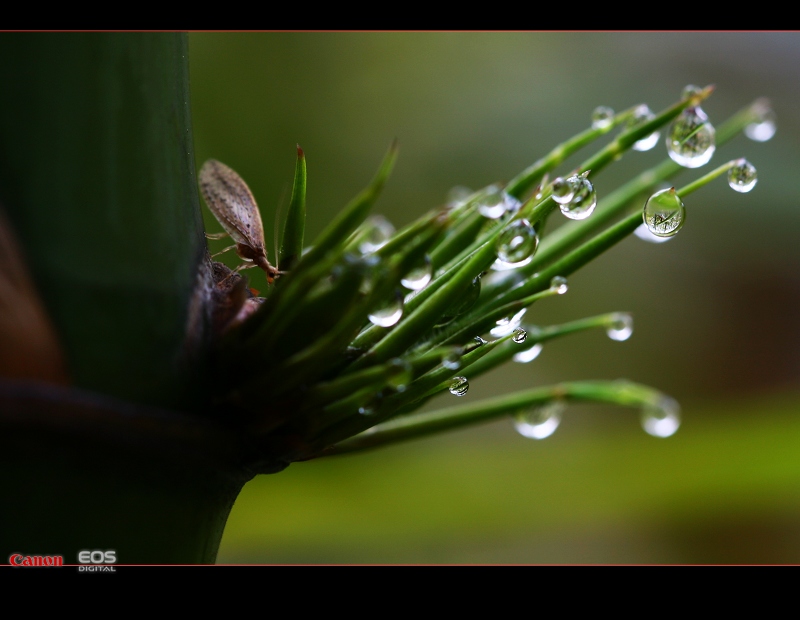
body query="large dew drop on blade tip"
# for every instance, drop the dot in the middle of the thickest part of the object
(691, 139)
(664, 213)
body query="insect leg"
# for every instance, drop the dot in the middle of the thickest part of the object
(220, 235)
(244, 266)
(223, 251)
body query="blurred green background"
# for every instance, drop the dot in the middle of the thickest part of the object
(715, 310)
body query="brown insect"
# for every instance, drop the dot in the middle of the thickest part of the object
(232, 203)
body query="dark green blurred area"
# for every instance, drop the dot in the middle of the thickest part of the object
(715, 309)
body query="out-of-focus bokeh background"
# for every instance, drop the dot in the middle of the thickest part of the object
(716, 309)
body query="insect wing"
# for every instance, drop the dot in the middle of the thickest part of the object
(232, 203)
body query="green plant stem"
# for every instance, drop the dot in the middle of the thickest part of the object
(569, 234)
(707, 178)
(417, 321)
(526, 179)
(413, 426)
(536, 335)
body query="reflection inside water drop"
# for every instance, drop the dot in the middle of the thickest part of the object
(664, 213)
(583, 200)
(459, 386)
(643, 233)
(563, 190)
(742, 177)
(516, 245)
(691, 138)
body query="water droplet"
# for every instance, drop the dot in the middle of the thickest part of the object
(663, 418)
(459, 386)
(458, 195)
(762, 129)
(369, 407)
(539, 191)
(495, 203)
(507, 325)
(664, 213)
(742, 177)
(621, 327)
(479, 341)
(512, 204)
(643, 232)
(452, 360)
(690, 139)
(381, 230)
(520, 335)
(643, 114)
(690, 90)
(584, 198)
(419, 277)
(559, 284)
(563, 190)
(516, 245)
(389, 314)
(540, 422)
(528, 355)
(602, 117)
(401, 375)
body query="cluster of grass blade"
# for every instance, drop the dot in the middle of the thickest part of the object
(313, 375)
